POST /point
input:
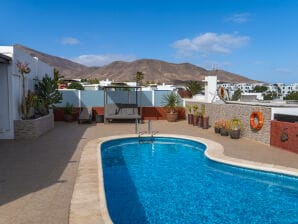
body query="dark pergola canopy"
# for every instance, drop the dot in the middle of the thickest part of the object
(4, 59)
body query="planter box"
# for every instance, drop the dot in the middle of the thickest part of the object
(30, 129)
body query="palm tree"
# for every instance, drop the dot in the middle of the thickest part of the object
(139, 77)
(194, 87)
(171, 100)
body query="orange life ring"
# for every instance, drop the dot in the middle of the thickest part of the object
(221, 92)
(260, 120)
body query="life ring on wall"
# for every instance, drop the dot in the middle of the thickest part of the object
(256, 115)
(221, 92)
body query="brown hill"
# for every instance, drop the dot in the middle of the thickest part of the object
(67, 68)
(154, 70)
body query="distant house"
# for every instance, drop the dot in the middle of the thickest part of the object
(11, 85)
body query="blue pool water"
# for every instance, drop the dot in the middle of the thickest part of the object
(171, 181)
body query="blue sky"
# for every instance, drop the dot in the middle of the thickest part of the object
(254, 38)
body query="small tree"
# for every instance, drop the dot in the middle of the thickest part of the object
(57, 77)
(260, 89)
(194, 87)
(93, 81)
(292, 96)
(75, 85)
(139, 77)
(171, 100)
(48, 93)
(237, 94)
(269, 95)
(23, 69)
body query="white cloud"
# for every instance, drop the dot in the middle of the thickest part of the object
(222, 65)
(210, 43)
(101, 59)
(239, 18)
(69, 41)
(282, 70)
(258, 62)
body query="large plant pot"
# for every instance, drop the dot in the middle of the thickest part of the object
(224, 132)
(205, 122)
(235, 134)
(172, 117)
(217, 130)
(68, 117)
(199, 121)
(190, 118)
(195, 120)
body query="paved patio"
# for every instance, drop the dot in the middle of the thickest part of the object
(37, 177)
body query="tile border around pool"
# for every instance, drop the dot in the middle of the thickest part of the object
(88, 204)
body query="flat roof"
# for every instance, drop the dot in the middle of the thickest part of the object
(4, 59)
(122, 87)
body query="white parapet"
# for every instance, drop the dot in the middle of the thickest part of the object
(210, 88)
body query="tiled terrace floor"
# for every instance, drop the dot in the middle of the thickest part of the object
(37, 177)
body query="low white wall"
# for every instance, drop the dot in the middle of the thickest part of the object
(282, 110)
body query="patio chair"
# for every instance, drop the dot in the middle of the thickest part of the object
(85, 115)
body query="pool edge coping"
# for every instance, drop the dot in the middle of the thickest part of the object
(88, 203)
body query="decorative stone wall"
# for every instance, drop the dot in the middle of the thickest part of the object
(30, 129)
(242, 112)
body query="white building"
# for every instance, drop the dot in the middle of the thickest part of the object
(210, 88)
(11, 85)
(106, 82)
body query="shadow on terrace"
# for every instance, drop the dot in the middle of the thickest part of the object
(27, 166)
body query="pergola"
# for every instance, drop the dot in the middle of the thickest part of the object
(119, 106)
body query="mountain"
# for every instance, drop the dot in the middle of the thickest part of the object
(67, 68)
(154, 70)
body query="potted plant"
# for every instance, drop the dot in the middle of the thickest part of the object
(69, 112)
(189, 114)
(171, 101)
(217, 127)
(205, 118)
(235, 128)
(46, 90)
(195, 114)
(224, 127)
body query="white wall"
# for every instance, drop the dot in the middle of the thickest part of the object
(14, 82)
(284, 110)
(210, 88)
(4, 99)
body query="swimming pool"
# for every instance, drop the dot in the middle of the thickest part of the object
(169, 180)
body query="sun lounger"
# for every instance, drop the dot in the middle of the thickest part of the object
(121, 111)
(85, 115)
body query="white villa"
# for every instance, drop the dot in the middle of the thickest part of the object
(11, 85)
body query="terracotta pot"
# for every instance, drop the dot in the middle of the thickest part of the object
(172, 117)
